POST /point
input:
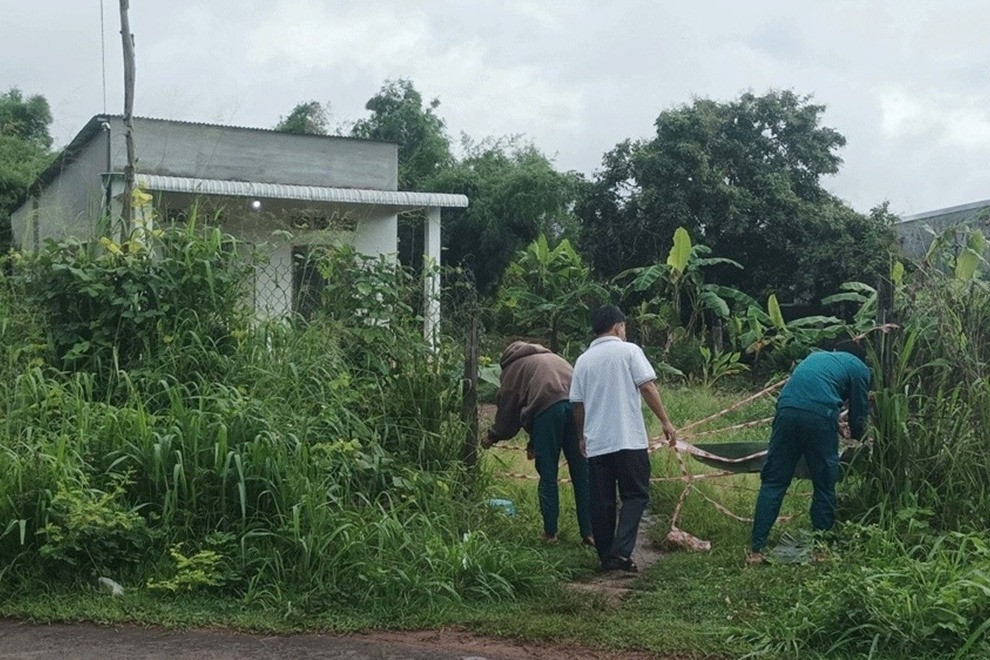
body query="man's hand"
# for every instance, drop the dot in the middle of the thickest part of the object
(583, 447)
(488, 440)
(652, 397)
(670, 433)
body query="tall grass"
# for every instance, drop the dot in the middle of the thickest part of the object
(897, 590)
(931, 422)
(910, 574)
(318, 461)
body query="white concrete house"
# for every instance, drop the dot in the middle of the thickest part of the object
(279, 191)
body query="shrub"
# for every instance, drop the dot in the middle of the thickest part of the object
(110, 306)
(325, 453)
(203, 569)
(549, 293)
(92, 531)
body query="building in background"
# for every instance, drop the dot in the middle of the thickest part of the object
(915, 232)
(282, 193)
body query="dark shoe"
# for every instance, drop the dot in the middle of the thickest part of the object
(619, 564)
(589, 540)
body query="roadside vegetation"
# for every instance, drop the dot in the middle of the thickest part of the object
(309, 475)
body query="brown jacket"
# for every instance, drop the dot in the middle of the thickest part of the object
(533, 379)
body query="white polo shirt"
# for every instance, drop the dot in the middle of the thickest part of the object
(606, 380)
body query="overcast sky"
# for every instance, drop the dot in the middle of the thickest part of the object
(907, 82)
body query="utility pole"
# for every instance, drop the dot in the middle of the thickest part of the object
(128, 40)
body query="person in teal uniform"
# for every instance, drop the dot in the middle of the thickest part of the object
(806, 424)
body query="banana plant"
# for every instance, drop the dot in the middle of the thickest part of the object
(864, 297)
(766, 329)
(969, 259)
(948, 252)
(548, 292)
(716, 365)
(679, 283)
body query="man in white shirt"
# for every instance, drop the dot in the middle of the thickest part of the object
(610, 380)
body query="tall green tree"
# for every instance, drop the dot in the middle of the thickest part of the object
(515, 194)
(399, 115)
(25, 144)
(309, 118)
(745, 178)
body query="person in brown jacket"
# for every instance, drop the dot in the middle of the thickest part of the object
(533, 395)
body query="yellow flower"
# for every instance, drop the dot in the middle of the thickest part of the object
(111, 246)
(139, 198)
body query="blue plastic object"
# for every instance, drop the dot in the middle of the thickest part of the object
(506, 506)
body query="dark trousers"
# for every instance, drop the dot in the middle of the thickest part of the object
(554, 432)
(615, 529)
(798, 433)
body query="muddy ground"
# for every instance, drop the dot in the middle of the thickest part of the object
(89, 641)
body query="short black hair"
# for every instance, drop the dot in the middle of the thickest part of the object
(852, 346)
(605, 317)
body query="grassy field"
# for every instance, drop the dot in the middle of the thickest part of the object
(876, 595)
(688, 603)
(282, 477)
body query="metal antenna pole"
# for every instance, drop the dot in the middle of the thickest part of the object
(103, 54)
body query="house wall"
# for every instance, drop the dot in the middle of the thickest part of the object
(375, 233)
(378, 235)
(69, 207)
(915, 239)
(71, 202)
(245, 154)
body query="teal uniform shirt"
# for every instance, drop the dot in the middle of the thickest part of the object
(806, 425)
(823, 381)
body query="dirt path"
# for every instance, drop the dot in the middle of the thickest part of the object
(615, 585)
(89, 641)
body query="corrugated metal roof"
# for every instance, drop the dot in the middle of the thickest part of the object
(972, 206)
(403, 199)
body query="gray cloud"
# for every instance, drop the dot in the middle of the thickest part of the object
(906, 81)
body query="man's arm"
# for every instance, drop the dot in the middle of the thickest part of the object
(577, 410)
(651, 395)
(507, 423)
(859, 402)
